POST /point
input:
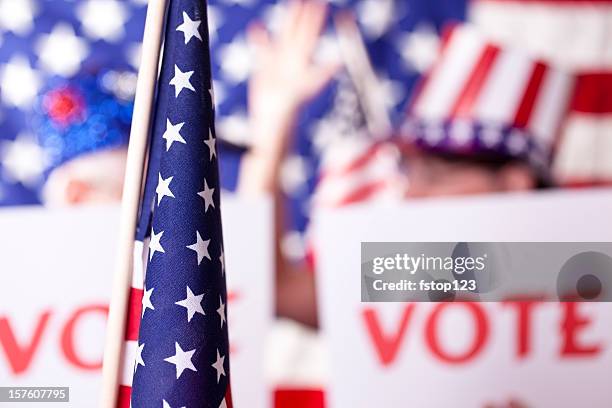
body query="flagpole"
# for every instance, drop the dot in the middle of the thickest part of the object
(137, 150)
(359, 67)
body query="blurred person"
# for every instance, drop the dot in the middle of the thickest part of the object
(285, 78)
(462, 149)
(447, 146)
(92, 178)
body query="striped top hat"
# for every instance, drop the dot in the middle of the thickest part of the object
(481, 99)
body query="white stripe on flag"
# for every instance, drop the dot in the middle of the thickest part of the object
(129, 357)
(450, 75)
(551, 103)
(572, 34)
(585, 148)
(141, 250)
(504, 88)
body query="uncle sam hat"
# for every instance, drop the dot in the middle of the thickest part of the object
(482, 99)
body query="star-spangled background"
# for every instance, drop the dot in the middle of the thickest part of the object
(183, 348)
(49, 39)
(46, 40)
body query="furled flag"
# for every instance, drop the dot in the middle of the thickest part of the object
(176, 348)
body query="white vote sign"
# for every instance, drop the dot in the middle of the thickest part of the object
(471, 354)
(55, 280)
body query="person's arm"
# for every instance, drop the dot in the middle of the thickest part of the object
(284, 79)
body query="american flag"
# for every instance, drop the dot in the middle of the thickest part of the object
(45, 41)
(176, 351)
(401, 37)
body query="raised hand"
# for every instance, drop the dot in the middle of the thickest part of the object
(285, 75)
(284, 78)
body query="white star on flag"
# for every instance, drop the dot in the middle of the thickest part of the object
(19, 82)
(211, 91)
(222, 260)
(146, 301)
(210, 142)
(139, 360)
(221, 311)
(23, 159)
(192, 303)
(103, 19)
(166, 405)
(294, 174)
(236, 60)
(155, 244)
(181, 81)
(218, 365)
(61, 52)
(491, 135)
(182, 360)
(172, 134)
(207, 195)
(17, 16)
(376, 16)
(190, 28)
(200, 247)
(163, 188)
(420, 47)
(516, 142)
(235, 128)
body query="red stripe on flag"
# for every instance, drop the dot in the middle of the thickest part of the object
(228, 397)
(134, 314)
(525, 108)
(123, 398)
(468, 96)
(593, 93)
(284, 398)
(357, 163)
(361, 193)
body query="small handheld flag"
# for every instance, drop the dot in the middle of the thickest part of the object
(176, 351)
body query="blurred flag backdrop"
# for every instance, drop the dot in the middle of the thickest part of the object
(41, 40)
